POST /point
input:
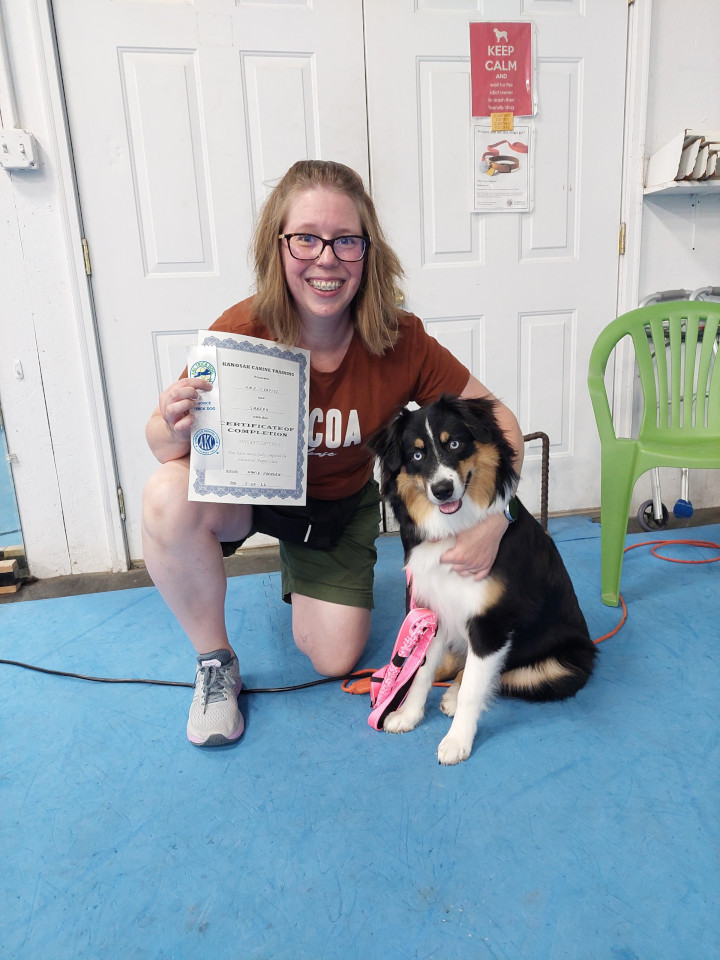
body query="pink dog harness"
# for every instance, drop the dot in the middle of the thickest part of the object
(390, 685)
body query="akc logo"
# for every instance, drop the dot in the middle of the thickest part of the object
(206, 441)
(203, 371)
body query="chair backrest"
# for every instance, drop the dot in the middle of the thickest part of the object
(678, 360)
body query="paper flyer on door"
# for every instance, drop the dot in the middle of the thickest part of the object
(249, 440)
(502, 169)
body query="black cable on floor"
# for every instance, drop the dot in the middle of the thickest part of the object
(181, 683)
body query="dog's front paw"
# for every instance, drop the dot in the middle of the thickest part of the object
(452, 750)
(401, 722)
(448, 704)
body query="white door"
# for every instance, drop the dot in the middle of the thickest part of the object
(182, 115)
(519, 298)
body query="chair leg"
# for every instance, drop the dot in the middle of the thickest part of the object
(616, 492)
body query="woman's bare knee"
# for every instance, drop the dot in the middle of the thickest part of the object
(169, 516)
(330, 662)
(166, 511)
(333, 636)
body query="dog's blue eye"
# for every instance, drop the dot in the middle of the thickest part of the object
(417, 455)
(454, 444)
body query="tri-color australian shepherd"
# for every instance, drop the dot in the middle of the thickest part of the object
(520, 630)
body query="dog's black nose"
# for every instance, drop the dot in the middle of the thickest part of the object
(442, 490)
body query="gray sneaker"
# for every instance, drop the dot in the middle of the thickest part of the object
(214, 718)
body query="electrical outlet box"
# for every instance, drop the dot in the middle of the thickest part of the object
(17, 149)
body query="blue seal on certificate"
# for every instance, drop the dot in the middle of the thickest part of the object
(202, 370)
(206, 441)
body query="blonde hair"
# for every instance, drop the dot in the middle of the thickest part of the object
(375, 313)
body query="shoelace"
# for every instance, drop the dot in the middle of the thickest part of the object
(215, 685)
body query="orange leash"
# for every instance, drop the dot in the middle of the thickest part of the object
(362, 685)
(655, 544)
(622, 621)
(664, 543)
(356, 686)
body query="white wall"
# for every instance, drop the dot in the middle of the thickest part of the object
(681, 234)
(54, 415)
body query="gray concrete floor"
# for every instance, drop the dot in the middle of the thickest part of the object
(257, 560)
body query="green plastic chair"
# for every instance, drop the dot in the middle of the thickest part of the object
(676, 349)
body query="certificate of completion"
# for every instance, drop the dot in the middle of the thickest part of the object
(249, 440)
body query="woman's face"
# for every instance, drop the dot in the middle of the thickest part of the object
(322, 289)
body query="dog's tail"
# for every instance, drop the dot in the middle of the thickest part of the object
(553, 678)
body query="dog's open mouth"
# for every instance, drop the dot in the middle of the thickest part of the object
(452, 506)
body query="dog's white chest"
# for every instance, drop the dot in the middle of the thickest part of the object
(454, 599)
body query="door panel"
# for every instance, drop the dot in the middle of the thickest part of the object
(169, 161)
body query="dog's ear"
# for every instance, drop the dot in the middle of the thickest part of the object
(385, 443)
(476, 413)
(480, 419)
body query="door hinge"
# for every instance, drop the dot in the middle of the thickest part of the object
(622, 239)
(86, 257)
(121, 502)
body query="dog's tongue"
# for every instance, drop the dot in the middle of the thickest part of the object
(451, 507)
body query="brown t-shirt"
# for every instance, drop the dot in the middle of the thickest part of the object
(348, 405)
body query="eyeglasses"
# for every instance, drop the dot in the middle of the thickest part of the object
(306, 246)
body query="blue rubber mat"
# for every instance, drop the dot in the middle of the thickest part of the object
(584, 829)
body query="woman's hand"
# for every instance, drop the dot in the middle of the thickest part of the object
(169, 429)
(177, 405)
(475, 549)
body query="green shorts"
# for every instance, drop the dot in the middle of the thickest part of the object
(343, 574)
